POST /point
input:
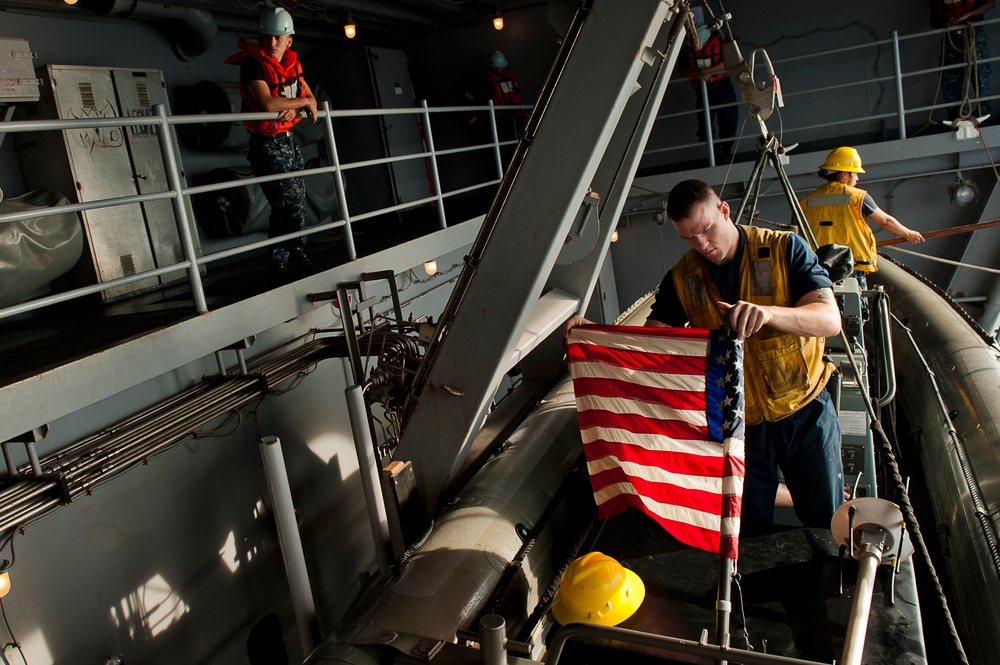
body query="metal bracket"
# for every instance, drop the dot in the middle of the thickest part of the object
(584, 232)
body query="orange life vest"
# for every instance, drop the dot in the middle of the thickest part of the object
(281, 78)
(504, 88)
(709, 54)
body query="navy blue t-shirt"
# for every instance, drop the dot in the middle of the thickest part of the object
(805, 274)
(868, 205)
(252, 70)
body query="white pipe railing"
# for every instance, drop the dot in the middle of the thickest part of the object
(179, 193)
(897, 77)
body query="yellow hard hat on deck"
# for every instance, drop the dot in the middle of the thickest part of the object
(843, 159)
(597, 589)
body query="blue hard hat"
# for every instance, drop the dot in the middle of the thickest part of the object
(497, 59)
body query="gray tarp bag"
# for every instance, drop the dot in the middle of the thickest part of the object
(35, 251)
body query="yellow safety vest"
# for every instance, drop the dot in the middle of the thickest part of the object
(783, 372)
(834, 215)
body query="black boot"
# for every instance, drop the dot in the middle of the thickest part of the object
(280, 273)
(300, 261)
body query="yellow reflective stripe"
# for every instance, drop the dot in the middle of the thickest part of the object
(829, 199)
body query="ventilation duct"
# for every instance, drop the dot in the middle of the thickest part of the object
(191, 31)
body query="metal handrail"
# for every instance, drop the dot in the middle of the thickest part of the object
(897, 77)
(179, 192)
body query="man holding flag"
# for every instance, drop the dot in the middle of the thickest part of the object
(770, 290)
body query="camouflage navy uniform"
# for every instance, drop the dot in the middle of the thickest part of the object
(274, 151)
(280, 154)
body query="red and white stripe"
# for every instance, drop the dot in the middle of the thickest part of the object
(644, 420)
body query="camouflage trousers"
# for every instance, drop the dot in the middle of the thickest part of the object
(953, 81)
(280, 154)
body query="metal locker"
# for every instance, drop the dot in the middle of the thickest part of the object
(88, 164)
(138, 90)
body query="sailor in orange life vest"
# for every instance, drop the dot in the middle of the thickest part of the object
(271, 81)
(837, 212)
(502, 81)
(701, 58)
(769, 288)
(500, 85)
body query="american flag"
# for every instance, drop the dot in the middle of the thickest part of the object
(661, 415)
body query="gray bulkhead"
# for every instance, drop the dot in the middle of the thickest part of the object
(177, 560)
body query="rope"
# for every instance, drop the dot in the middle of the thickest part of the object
(937, 91)
(917, 538)
(888, 459)
(957, 650)
(956, 307)
(940, 260)
(971, 71)
(732, 157)
(993, 164)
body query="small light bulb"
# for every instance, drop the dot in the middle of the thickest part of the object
(964, 195)
(614, 236)
(430, 267)
(498, 22)
(349, 28)
(963, 192)
(4, 583)
(70, 2)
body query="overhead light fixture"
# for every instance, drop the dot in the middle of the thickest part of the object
(498, 20)
(4, 577)
(963, 192)
(70, 2)
(350, 29)
(614, 236)
(430, 267)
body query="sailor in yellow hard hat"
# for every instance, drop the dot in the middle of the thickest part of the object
(838, 212)
(597, 589)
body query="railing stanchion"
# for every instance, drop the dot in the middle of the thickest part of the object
(706, 118)
(338, 180)
(897, 74)
(184, 228)
(435, 178)
(496, 140)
